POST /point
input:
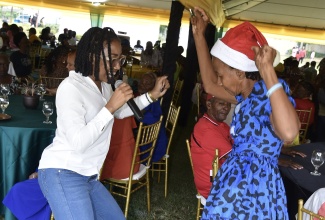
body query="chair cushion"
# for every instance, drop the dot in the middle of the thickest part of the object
(142, 171)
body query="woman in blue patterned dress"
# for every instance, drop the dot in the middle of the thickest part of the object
(248, 184)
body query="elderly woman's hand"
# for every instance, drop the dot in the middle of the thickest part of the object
(264, 58)
(292, 153)
(288, 163)
(161, 86)
(199, 21)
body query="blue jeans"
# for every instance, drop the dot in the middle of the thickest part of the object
(72, 196)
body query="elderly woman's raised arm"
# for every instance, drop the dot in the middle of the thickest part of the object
(209, 77)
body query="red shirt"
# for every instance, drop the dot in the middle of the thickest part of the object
(207, 136)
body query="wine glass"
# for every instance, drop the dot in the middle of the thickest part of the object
(41, 90)
(47, 111)
(4, 103)
(317, 159)
(5, 90)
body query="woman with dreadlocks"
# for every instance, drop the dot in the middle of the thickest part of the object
(86, 106)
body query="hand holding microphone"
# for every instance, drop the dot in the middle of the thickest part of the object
(123, 92)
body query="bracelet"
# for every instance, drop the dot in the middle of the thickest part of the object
(148, 98)
(153, 99)
(273, 89)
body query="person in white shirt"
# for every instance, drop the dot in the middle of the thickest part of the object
(86, 106)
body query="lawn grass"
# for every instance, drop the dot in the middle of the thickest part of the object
(180, 202)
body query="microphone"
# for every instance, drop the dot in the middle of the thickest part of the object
(135, 109)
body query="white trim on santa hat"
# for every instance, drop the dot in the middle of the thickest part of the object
(232, 57)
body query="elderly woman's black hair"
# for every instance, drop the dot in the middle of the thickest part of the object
(255, 75)
(91, 50)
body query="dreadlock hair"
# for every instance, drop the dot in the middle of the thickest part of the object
(91, 50)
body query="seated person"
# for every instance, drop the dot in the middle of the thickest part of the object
(13, 30)
(26, 201)
(302, 96)
(70, 66)
(56, 63)
(32, 36)
(138, 46)
(118, 161)
(151, 57)
(5, 78)
(210, 133)
(151, 114)
(20, 59)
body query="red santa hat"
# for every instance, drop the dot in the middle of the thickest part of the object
(234, 48)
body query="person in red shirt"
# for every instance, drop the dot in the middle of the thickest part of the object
(302, 94)
(210, 133)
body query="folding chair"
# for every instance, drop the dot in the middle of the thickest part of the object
(215, 166)
(162, 165)
(146, 135)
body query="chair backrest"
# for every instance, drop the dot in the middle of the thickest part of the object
(189, 154)
(147, 135)
(177, 91)
(304, 117)
(302, 210)
(171, 122)
(215, 162)
(44, 52)
(34, 52)
(198, 94)
(51, 82)
(161, 100)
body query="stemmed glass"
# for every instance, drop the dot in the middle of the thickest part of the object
(4, 103)
(41, 90)
(5, 90)
(317, 159)
(47, 111)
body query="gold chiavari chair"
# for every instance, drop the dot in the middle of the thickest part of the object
(215, 166)
(34, 53)
(177, 91)
(302, 210)
(147, 135)
(51, 82)
(162, 165)
(304, 117)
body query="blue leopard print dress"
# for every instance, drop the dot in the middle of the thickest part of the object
(248, 185)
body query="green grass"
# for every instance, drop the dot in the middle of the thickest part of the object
(180, 202)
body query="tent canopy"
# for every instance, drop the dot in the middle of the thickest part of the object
(304, 20)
